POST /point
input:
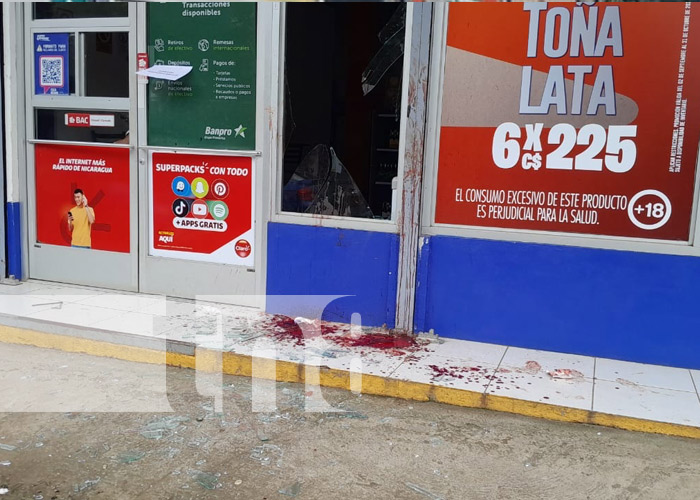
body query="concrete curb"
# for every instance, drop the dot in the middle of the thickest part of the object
(186, 355)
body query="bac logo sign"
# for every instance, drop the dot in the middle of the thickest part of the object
(88, 120)
(78, 119)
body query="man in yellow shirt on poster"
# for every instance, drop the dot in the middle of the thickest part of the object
(80, 221)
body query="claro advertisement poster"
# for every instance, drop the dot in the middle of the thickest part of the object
(202, 208)
(82, 197)
(571, 118)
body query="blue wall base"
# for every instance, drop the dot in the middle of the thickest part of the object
(613, 304)
(310, 260)
(14, 240)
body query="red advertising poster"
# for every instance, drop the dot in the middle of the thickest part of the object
(570, 117)
(202, 208)
(100, 176)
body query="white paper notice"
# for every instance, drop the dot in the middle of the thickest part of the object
(165, 72)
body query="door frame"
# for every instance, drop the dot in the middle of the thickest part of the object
(50, 262)
(210, 281)
(418, 63)
(406, 224)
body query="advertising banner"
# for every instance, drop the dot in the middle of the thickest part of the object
(102, 174)
(51, 57)
(202, 208)
(571, 118)
(213, 106)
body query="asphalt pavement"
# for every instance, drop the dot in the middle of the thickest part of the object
(76, 426)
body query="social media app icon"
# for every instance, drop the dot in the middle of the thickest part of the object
(218, 209)
(181, 187)
(181, 208)
(200, 187)
(220, 188)
(199, 208)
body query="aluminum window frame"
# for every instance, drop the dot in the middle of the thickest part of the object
(76, 26)
(76, 101)
(277, 150)
(26, 139)
(267, 13)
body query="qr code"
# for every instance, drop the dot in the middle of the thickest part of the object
(51, 71)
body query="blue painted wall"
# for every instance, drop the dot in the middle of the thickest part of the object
(314, 260)
(622, 305)
(14, 239)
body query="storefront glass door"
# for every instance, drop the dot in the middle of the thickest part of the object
(200, 170)
(81, 156)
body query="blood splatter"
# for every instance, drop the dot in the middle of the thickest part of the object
(565, 373)
(330, 329)
(456, 371)
(285, 328)
(441, 371)
(377, 341)
(532, 367)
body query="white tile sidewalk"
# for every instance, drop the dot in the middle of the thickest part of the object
(649, 392)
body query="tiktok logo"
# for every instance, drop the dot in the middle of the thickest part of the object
(181, 208)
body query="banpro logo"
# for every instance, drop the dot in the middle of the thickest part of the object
(218, 132)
